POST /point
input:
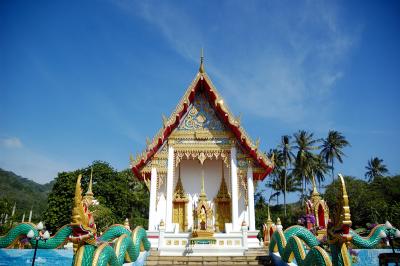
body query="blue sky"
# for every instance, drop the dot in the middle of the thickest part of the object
(89, 80)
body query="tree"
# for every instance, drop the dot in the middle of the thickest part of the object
(119, 192)
(374, 202)
(305, 144)
(318, 168)
(332, 148)
(375, 169)
(283, 182)
(287, 159)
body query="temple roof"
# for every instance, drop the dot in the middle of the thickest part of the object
(202, 82)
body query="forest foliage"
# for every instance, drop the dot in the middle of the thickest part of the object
(120, 196)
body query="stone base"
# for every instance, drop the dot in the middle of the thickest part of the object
(255, 257)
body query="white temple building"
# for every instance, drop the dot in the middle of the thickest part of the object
(201, 169)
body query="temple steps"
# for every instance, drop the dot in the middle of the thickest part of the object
(256, 257)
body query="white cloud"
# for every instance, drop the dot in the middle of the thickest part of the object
(272, 60)
(12, 142)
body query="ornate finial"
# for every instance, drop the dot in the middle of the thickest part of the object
(76, 211)
(269, 216)
(278, 221)
(257, 143)
(345, 216)
(131, 158)
(89, 192)
(164, 120)
(148, 141)
(239, 118)
(201, 69)
(315, 191)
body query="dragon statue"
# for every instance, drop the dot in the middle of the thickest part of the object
(118, 244)
(291, 243)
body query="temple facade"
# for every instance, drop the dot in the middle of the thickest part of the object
(201, 169)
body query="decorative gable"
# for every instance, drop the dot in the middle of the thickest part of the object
(201, 116)
(202, 126)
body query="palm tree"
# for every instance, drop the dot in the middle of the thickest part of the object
(318, 168)
(305, 143)
(375, 169)
(278, 183)
(287, 158)
(332, 148)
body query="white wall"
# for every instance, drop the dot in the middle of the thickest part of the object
(191, 171)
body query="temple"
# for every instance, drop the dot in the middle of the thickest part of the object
(201, 168)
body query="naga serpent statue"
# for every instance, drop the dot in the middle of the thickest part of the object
(118, 244)
(290, 243)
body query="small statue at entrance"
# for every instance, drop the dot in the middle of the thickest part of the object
(203, 219)
(203, 229)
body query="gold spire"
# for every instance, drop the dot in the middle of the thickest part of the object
(202, 181)
(203, 195)
(315, 191)
(269, 216)
(201, 69)
(89, 192)
(223, 192)
(179, 192)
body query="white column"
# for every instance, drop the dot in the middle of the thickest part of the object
(250, 198)
(153, 197)
(161, 228)
(245, 239)
(170, 183)
(234, 184)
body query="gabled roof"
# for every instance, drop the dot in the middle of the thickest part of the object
(203, 82)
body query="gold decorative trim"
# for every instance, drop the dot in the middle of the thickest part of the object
(202, 155)
(203, 134)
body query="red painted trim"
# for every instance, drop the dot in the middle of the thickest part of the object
(224, 117)
(152, 236)
(251, 236)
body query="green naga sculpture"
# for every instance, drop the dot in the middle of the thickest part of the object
(117, 245)
(290, 243)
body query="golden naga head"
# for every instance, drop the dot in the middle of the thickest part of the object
(82, 218)
(339, 226)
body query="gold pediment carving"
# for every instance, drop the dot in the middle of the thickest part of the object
(200, 134)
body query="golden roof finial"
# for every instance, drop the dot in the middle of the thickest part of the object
(201, 69)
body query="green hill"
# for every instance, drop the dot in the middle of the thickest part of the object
(25, 193)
